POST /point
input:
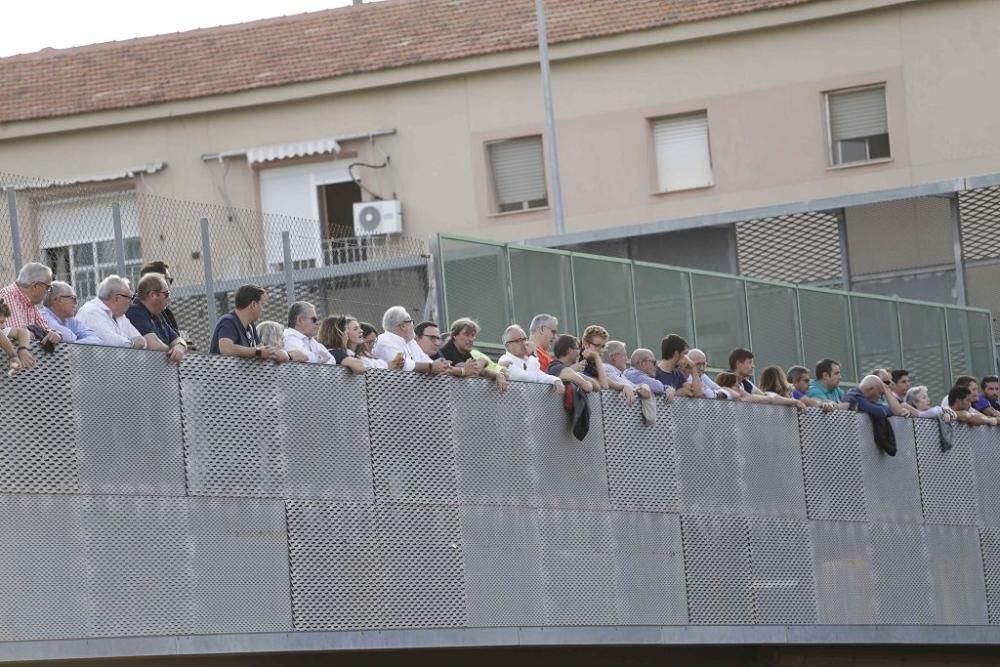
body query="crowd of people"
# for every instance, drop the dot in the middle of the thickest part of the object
(36, 307)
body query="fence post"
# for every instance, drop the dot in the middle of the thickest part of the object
(286, 247)
(206, 257)
(15, 232)
(116, 220)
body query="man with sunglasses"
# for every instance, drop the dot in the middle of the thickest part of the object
(300, 336)
(60, 308)
(23, 297)
(105, 314)
(146, 315)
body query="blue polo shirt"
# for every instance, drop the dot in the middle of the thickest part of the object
(146, 323)
(859, 402)
(818, 391)
(229, 326)
(796, 394)
(982, 403)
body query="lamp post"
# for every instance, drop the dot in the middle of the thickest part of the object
(550, 120)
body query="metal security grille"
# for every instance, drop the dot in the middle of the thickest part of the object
(803, 247)
(642, 465)
(947, 479)
(979, 211)
(717, 570)
(831, 461)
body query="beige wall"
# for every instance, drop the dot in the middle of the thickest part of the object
(762, 90)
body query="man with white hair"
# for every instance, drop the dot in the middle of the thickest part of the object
(398, 341)
(699, 362)
(105, 314)
(23, 297)
(643, 372)
(146, 315)
(300, 335)
(544, 329)
(521, 365)
(59, 309)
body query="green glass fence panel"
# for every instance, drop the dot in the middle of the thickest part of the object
(604, 296)
(663, 297)
(826, 330)
(925, 353)
(542, 283)
(720, 316)
(981, 344)
(959, 343)
(476, 281)
(773, 325)
(876, 334)
(969, 348)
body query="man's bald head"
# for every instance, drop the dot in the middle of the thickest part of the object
(697, 356)
(871, 387)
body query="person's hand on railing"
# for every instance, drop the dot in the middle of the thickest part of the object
(501, 379)
(559, 387)
(439, 366)
(628, 394)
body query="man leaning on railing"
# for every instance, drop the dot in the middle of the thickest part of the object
(146, 315)
(23, 297)
(397, 343)
(105, 314)
(235, 334)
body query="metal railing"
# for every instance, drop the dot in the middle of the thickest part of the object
(498, 284)
(299, 504)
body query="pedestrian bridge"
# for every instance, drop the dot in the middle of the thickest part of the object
(238, 507)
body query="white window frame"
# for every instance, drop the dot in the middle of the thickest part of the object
(495, 203)
(661, 177)
(833, 151)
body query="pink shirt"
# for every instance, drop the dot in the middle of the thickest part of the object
(22, 311)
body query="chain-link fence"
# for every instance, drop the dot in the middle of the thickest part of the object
(88, 231)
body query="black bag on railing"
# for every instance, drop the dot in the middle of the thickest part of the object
(885, 437)
(946, 432)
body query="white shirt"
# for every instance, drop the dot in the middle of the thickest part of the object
(388, 345)
(708, 386)
(296, 340)
(525, 369)
(113, 331)
(618, 376)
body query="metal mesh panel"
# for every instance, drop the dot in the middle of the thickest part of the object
(892, 491)
(595, 280)
(476, 279)
(989, 539)
(708, 457)
(135, 447)
(768, 439)
(924, 347)
(774, 325)
(642, 465)
(802, 247)
(413, 454)
(720, 307)
(986, 456)
(900, 575)
(7, 272)
(43, 569)
(541, 282)
(663, 297)
(826, 330)
(831, 461)
(570, 473)
(231, 427)
(979, 212)
(947, 481)
(959, 589)
(503, 566)
(578, 560)
(649, 564)
(876, 334)
(493, 445)
(717, 570)
(843, 577)
(970, 346)
(38, 455)
(324, 434)
(783, 581)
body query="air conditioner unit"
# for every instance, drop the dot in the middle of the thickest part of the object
(377, 217)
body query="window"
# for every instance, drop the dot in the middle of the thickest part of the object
(85, 265)
(859, 127)
(683, 159)
(518, 174)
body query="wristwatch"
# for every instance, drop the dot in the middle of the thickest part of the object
(257, 352)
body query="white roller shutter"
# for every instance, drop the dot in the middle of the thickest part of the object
(518, 173)
(71, 221)
(857, 114)
(683, 159)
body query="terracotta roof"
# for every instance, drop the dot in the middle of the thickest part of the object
(317, 45)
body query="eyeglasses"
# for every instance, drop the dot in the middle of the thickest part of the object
(407, 322)
(71, 297)
(165, 293)
(436, 339)
(125, 296)
(313, 319)
(518, 340)
(48, 286)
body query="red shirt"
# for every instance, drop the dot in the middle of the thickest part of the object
(544, 359)
(22, 311)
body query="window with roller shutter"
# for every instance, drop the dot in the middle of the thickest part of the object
(858, 125)
(518, 168)
(683, 157)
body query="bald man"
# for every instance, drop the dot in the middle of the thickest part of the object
(865, 398)
(699, 362)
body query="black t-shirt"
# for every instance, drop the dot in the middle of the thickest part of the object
(338, 353)
(556, 367)
(453, 354)
(229, 326)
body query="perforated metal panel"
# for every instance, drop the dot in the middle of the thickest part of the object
(892, 490)
(947, 480)
(324, 434)
(784, 584)
(231, 427)
(989, 540)
(831, 461)
(578, 561)
(979, 211)
(986, 455)
(38, 455)
(768, 439)
(959, 589)
(493, 446)
(136, 447)
(843, 574)
(801, 247)
(413, 455)
(649, 563)
(503, 566)
(900, 575)
(717, 570)
(570, 473)
(43, 569)
(708, 457)
(642, 466)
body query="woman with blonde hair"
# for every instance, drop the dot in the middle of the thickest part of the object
(335, 334)
(773, 383)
